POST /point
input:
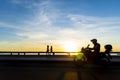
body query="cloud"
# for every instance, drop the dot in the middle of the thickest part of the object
(4, 24)
(94, 23)
(50, 23)
(30, 3)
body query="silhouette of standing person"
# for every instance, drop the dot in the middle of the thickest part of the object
(51, 49)
(47, 52)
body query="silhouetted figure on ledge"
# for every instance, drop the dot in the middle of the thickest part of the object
(51, 49)
(47, 52)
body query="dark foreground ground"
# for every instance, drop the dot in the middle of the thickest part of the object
(56, 70)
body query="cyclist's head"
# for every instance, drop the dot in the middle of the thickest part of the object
(94, 40)
(108, 47)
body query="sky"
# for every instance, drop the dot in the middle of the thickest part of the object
(31, 25)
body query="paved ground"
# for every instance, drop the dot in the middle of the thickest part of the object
(59, 70)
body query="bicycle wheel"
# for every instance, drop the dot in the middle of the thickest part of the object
(80, 60)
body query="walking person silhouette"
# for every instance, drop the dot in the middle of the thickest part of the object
(47, 52)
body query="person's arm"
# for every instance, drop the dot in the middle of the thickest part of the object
(91, 48)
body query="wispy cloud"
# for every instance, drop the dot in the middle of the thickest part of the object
(50, 23)
(26, 3)
(4, 24)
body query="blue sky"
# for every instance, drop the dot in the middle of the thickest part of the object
(32, 24)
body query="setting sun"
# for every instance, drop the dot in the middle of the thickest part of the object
(70, 46)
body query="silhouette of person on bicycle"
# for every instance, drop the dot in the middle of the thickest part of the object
(106, 54)
(95, 51)
(93, 55)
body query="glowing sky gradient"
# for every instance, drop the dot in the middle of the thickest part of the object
(30, 25)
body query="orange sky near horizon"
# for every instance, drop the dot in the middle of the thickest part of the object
(68, 46)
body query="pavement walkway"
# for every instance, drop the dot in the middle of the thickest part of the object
(57, 71)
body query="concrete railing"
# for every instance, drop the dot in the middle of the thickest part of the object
(45, 53)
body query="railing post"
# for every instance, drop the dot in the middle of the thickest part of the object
(24, 53)
(11, 53)
(18, 53)
(53, 53)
